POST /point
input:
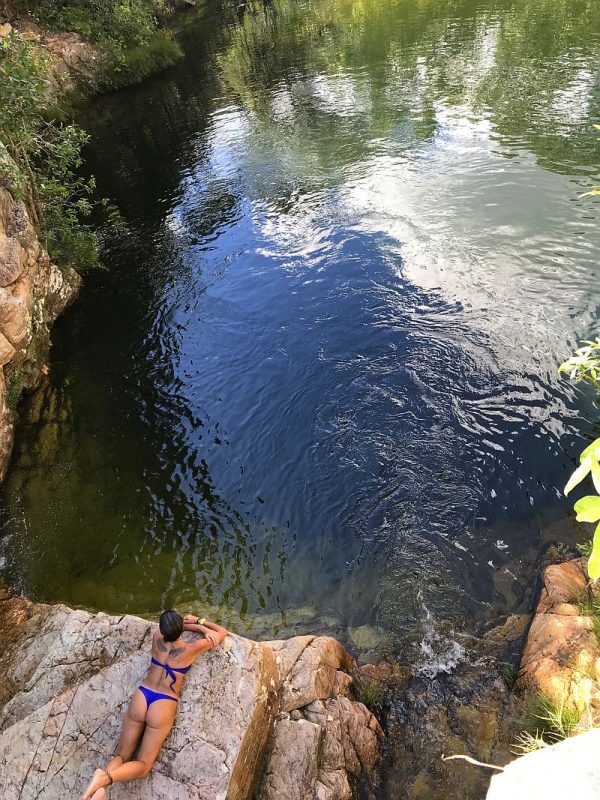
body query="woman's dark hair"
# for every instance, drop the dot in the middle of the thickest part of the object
(171, 625)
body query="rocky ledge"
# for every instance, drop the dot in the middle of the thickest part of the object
(561, 663)
(33, 293)
(270, 721)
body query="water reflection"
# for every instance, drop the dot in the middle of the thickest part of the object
(320, 368)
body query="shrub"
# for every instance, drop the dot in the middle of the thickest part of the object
(126, 31)
(45, 157)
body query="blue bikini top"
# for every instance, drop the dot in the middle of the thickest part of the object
(170, 671)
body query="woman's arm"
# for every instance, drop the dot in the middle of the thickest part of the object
(214, 633)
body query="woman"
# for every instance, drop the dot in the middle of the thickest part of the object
(151, 713)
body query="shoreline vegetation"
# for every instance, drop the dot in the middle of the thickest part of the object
(130, 39)
(53, 56)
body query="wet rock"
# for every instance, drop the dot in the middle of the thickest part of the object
(69, 676)
(367, 637)
(468, 711)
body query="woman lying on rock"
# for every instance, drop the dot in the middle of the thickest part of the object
(151, 713)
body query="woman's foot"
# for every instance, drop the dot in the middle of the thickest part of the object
(99, 781)
(99, 795)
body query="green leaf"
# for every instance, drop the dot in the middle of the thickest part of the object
(595, 471)
(594, 559)
(580, 473)
(588, 508)
(594, 446)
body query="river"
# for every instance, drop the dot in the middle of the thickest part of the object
(314, 386)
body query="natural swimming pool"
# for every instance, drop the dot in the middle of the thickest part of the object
(315, 384)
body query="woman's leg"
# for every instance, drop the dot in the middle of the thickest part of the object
(134, 723)
(159, 721)
(132, 729)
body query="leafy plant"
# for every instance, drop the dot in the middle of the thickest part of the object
(125, 31)
(596, 190)
(587, 508)
(44, 157)
(584, 365)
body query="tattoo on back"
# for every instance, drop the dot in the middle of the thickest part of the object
(162, 646)
(177, 651)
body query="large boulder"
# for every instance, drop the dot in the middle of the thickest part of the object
(561, 658)
(69, 675)
(568, 769)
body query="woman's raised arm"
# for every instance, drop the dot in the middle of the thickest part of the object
(213, 632)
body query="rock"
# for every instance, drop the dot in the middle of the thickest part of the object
(309, 669)
(69, 675)
(566, 582)
(568, 769)
(291, 772)
(512, 629)
(5, 30)
(33, 292)
(561, 658)
(12, 260)
(343, 741)
(367, 637)
(7, 351)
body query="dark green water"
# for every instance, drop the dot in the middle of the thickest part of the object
(315, 385)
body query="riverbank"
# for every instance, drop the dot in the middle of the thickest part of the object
(266, 720)
(42, 198)
(90, 52)
(273, 719)
(33, 293)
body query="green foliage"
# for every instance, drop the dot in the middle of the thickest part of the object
(369, 692)
(527, 742)
(591, 608)
(45, 157)
(125, 31)
(549, 720)
(125, 67)
(584, 365)
(509, 674)
(587, 508)
(15, 381)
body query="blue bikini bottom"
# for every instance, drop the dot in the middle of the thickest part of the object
(152, 697)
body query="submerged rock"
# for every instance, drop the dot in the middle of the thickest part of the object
(69, 676)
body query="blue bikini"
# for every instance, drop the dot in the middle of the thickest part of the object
(152, 696)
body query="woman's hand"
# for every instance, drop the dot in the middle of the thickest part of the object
(212, 637)
(190, 619)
